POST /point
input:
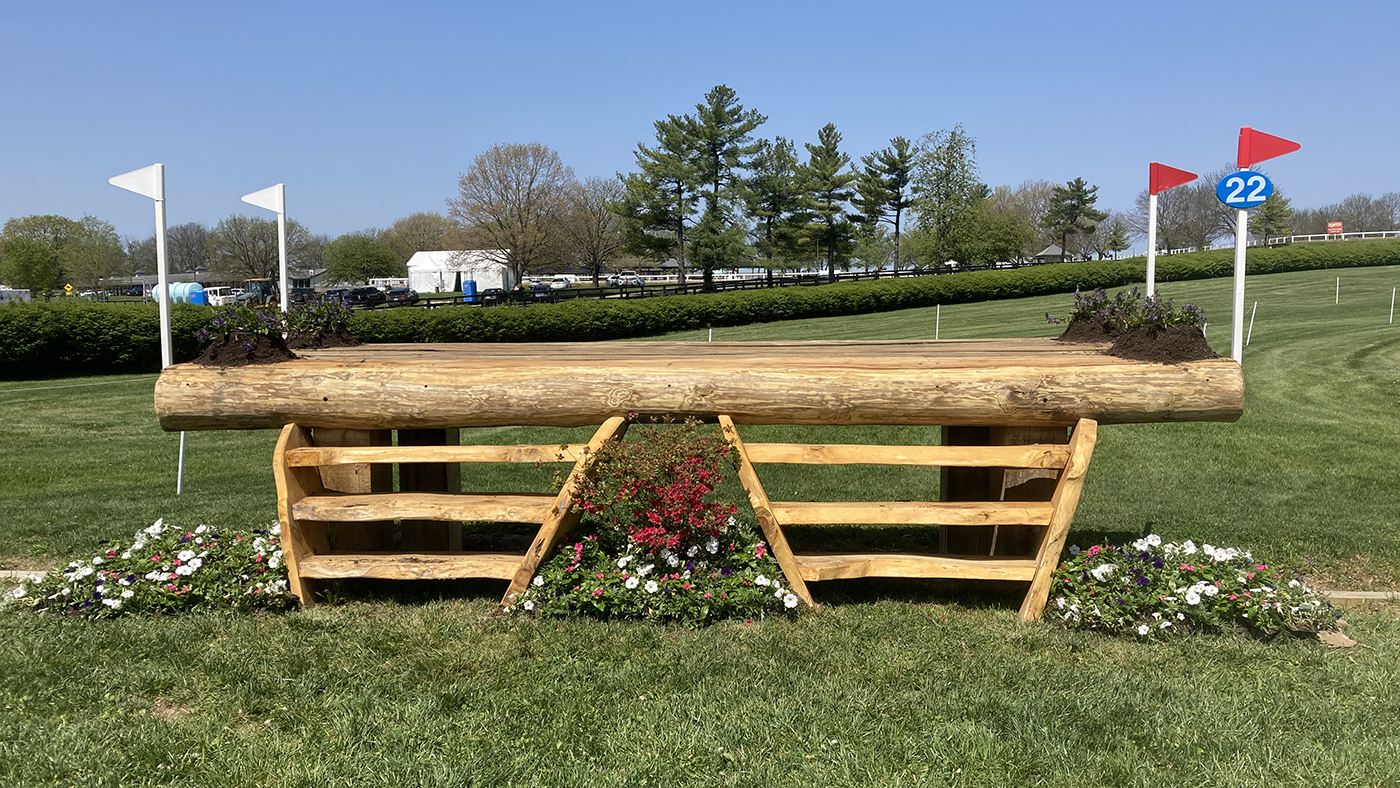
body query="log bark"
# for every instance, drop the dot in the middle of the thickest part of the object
(991, 382)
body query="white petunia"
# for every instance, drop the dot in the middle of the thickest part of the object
(1143, 630)
(1210, 590)
(672, 561)
(272, 562)
(1141, 545)
(760, 581)
(127, 594)
(712, 546)
(1188, 547)
(622, 562)
(790, 601)
(184, 570)
(651, 587)
(97, 560)
(185, 555)
(1059, 600)
(529, 605)
(126, 555)
(1192, 597)
(646, 570)
(538, 581)
(65, 590)
(276, 529)
(1102, 572)
(1153, 540)
(201, 529)
(778, 593)
(1164, 624)
(631, 583)
(692, 551)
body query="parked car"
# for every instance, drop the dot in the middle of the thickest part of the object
(541, 290)
(134, 290)
(220, 296)
(302, 295)
(629, 279)
(365, 296)
(337, 294)
(401, 296)
(559, 283)
(492, 295)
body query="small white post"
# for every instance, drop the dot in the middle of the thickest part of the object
(1392, 306)
(937, 319)
(180, 472)
(1151, 244)
(1251, 322)
(1237, 335)
(1339, 291)
(712, 336)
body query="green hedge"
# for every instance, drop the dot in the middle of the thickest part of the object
(73, 338)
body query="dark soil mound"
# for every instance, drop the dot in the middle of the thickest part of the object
(1088, 331)
(1170, 345)
(228, 351)
(338, 338)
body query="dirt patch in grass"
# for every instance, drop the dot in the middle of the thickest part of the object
(229, 351)
(338, 338)
(165, 711)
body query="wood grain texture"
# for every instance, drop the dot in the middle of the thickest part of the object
(911, 513)
(412, 566)
(942, 456)
(302, 538)
(994, 382)
(429, 535)
(768, 521)
(1064, 503)
(355, 478)
(445, 507)
(337, 456)
(849, 567)
(562, 516)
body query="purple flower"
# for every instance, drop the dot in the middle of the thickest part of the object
(1142, 581)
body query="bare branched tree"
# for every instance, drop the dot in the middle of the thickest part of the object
(419, 232)
(186, 246)
(593, 231)
(511, 203)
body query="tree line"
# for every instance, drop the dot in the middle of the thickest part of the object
(706, 194)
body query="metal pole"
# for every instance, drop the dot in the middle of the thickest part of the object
(1151, 244)
(1237, 336)
(1251, 322)
(282, 286)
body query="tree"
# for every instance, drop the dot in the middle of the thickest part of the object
(1273, 218)
(1072, 211)
(361, 256)
(945, 183)
(882, 189)
(720, 137)
(246, 247)
(659, 201)
(511, 203)
(826, 189)
(984, 235)
(94, 252)
(29, 264)
(187, 247)
(593, 231)
(140, 255)
(54, 232)
(419, 232)
(1189, 216)
(1117, 238)
(773, 196)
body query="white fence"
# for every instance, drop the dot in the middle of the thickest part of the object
(1282, 240)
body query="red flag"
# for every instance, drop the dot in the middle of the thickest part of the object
(1161, 177)
(1256, 146)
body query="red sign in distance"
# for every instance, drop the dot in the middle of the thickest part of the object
(1256, 146)
(1160, 177)
(1334, 228)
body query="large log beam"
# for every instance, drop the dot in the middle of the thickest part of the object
(1018, 382)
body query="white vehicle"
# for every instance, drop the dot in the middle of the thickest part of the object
(8, 296)
(222, 296)
(629, 279)
(559, 283)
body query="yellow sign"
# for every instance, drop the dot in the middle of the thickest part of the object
(68, 290)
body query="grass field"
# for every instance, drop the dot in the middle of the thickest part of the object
(893, 684)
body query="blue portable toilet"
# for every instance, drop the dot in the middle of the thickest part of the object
(469, 291)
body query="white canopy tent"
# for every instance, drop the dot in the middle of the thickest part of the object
(437, 272)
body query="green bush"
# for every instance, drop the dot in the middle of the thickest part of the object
(68, 338)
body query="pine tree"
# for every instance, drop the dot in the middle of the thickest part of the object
(1072, 211)
(827, 191)
(720, 135)
(882, 188)
(773, 196)
(659, 202)
(1117, 240)
(1273, 218)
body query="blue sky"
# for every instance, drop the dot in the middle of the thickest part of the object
(369, 112)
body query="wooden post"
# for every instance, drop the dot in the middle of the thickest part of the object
(424, 535)
(996, 484)
(1063, 504)
(357, 478)
(300, 539)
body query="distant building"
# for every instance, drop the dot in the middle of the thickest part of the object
(445, 271)
(1052, 254)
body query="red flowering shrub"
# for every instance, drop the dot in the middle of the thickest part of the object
(653, 486)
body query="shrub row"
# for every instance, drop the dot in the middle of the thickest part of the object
(70, 338)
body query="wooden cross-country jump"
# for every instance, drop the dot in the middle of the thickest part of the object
(1019, 418)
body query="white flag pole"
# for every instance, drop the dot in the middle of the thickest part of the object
(1237, 337)
(1151, 244)
(274, 198)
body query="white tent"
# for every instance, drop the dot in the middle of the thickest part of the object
(437, 272)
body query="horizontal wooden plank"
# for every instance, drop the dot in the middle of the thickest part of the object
(448, 507)
(848, 567)
(912, 513)
(411, 566)
(1024, 456)
(351, 455)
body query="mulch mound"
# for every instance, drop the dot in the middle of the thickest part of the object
(228, 351)
(338, 338)
(1172, 345)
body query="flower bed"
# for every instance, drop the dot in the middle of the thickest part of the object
(1150, 329)
(1151, 588)
(165, 570)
